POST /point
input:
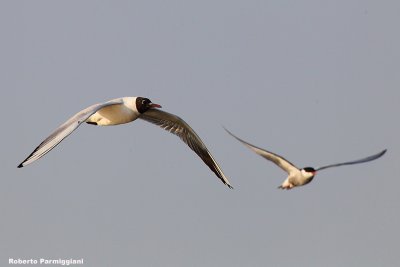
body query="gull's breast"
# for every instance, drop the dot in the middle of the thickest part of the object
(113, 115)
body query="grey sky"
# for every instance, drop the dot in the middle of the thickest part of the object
(315, 81)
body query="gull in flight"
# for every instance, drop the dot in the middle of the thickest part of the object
(298, 177)
(124, 110)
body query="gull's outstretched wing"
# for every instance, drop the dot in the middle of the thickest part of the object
(370, 158)
(179, 127)
(283, 163)
(64, 130)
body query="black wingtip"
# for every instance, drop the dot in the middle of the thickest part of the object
(20, 166)
(381, 153)
(229, 132)
(234, 136)
(230, 187)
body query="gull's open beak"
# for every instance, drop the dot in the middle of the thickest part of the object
(154, 105)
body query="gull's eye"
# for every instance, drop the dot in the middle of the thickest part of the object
(144, 101)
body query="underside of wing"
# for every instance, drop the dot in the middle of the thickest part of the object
(179, 127)
(363, 160)
(283, 163)
(63, 131)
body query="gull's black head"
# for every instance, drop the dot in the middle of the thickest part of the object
(144, 104)
(308, 173)
(309, 169)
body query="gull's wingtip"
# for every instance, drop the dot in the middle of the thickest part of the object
(20, 165)
(226, 130)
(229, 132)
(380, 154)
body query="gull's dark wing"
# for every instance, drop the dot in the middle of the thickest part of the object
(64, 130)
(283, 163)
(179, 127)
(370, 158)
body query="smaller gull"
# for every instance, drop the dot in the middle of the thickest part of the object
(298, 177)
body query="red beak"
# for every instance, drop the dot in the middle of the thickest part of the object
(154, 105)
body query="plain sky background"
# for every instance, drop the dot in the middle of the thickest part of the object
(314, 81)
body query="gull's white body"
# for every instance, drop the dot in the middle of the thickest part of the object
(116, 114)
(295, 178)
